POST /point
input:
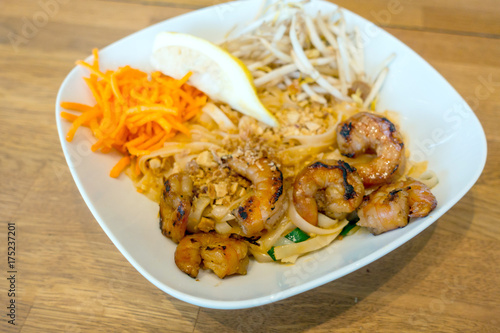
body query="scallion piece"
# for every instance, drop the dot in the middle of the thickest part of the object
(348, 227)
(296, 236)
(271, 253)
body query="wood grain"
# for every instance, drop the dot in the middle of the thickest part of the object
(71, 278)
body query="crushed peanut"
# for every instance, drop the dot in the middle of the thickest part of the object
(206, 224)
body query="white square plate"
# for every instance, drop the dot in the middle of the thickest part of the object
(441, 126)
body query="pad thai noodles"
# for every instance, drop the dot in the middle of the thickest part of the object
(230, 187)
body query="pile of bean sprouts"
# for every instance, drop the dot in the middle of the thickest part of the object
(286, 43)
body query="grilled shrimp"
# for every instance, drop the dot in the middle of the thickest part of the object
(391, 206)
(222, 254)
(420, 198)
(175, 206)
(330, 186)
(368, 133)
(255, 213)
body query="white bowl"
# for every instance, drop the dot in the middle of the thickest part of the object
(442, 128)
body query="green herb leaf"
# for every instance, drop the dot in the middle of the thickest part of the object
(271, 253)
(297, 236)
(348, 228)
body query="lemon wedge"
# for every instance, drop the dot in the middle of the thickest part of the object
(216, 72)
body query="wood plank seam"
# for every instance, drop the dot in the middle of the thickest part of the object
(160, 4)
(440, 31)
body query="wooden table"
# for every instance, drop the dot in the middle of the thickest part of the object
(71, 278)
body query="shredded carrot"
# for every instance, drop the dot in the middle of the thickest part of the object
(135, 113)
(120, 166)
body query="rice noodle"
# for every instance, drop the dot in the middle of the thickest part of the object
(290, 252)
(326, 138)
(308, 227)
(220, 211)
(197, 209)
(277, 214)
(429, 178)
(258, 254)
(325, 221)
(199, 133)
(223, 227)
(270, 238)
(294, 155)
(219, 117)
(172, 148)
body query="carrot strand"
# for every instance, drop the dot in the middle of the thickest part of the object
(120, 166)
(68, 116)
(76, 106)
